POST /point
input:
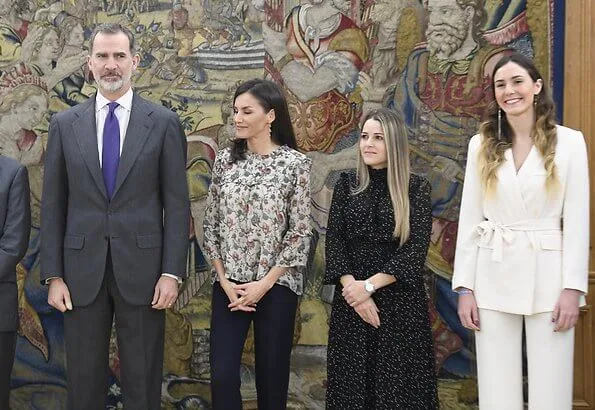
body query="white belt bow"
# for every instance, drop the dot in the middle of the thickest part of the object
(495, 234)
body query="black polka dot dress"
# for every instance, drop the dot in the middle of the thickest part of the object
(391, 367)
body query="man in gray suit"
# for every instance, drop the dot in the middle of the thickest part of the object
(15, 221)
(114, 230)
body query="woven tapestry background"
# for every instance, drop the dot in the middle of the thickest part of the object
(363, 53)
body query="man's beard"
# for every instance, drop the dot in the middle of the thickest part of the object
(113, 86)
(451, 38)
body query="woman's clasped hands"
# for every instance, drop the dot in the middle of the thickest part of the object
(245, 296)
(360, 300)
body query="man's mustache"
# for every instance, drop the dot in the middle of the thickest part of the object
(111, 74)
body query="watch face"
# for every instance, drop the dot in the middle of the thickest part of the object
(369, 287)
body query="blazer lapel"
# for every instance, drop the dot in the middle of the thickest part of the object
(86, 136)
(510, 185)
(533, 163)
(137, 133)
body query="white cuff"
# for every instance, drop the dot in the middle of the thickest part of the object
(177, 278)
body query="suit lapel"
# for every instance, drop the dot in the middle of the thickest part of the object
(511, 184)
(533, 163)
(86, 136)
(137, 133)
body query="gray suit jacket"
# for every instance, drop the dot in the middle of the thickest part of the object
(15, 221)
(146, 223)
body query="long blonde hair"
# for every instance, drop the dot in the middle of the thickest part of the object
(498, 138)
(397, 153)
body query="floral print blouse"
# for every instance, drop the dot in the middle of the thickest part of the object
(258, 216)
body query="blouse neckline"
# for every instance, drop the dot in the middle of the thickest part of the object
(271, 154)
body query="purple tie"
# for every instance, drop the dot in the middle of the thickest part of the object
(110, 156)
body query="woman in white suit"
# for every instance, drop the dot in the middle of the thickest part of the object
(522, 246)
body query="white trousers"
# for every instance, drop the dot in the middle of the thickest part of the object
(499, 362)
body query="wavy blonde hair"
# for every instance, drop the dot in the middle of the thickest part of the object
(544, 135)
(397, 153)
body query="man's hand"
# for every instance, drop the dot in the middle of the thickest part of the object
(166, 293)
(59, 296)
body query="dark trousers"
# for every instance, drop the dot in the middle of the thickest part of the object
(8, 341)
(273, 336)
(140, 333)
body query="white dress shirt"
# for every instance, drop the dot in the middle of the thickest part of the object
(122, 112)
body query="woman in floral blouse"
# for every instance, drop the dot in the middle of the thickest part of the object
(257, 237)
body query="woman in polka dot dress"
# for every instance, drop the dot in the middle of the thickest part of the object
(380, 353)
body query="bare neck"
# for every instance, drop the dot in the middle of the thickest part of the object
(261, 145)
(522, 127)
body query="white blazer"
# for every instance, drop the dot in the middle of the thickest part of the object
(519, 247)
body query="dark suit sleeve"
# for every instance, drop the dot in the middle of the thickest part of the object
(53, 206)
(15, 235)
(175, 199)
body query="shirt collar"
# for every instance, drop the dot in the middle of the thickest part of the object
(124, 101)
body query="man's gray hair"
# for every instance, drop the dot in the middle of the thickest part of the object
(114, 28)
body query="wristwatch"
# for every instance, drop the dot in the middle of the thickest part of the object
(369, 286)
